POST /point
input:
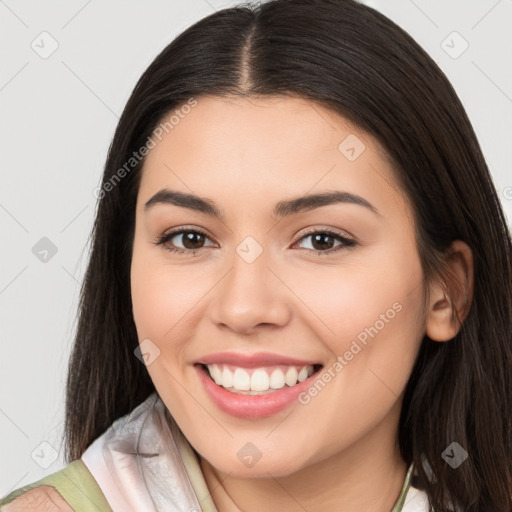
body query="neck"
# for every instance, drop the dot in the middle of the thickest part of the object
(367, 476)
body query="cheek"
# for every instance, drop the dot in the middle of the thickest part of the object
(162, 295)
(377, 317)
(371, 322)
(363, 298)
(163, 300)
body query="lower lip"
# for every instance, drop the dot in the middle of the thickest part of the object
(252, 406)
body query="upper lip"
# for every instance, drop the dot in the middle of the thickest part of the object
(253, 360)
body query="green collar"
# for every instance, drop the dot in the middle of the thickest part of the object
(405, 489)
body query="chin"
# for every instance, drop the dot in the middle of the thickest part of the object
(278, 464)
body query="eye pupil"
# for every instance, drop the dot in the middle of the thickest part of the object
(189, 237)
(318, 237)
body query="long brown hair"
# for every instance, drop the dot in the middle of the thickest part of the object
(355, 61)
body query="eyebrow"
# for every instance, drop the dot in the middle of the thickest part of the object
(281, 209)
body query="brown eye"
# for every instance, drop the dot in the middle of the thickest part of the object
(191, 240)
(323, 242)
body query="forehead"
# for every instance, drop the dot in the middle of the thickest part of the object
(260, 147)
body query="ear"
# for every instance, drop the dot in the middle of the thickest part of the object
(450, 300)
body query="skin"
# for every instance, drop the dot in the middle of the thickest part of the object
(340, 451)
(40, 499)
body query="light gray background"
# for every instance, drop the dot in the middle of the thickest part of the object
(58, 115)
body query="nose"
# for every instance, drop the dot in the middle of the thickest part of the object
(251, 297)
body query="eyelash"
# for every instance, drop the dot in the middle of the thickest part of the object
(346, 242)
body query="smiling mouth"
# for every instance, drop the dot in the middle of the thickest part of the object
(258, 381)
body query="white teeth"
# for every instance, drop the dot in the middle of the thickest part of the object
(303, 374)
(241, 380)
(227, 377)
(258, 379)
(291, 376)
(216, 373)
(277, 379)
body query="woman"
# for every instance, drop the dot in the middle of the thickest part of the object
(298, 296)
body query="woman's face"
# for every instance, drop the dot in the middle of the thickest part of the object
(278, 287)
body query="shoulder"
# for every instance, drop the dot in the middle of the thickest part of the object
(43, 498)
(71, 489)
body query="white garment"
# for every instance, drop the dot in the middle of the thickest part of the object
(143, 463)
(139, 464)
(415, 501)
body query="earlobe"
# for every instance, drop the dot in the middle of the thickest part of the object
(450, 300)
